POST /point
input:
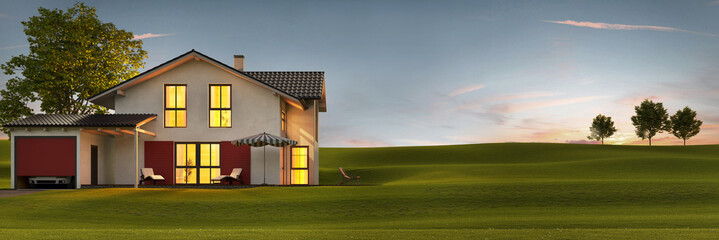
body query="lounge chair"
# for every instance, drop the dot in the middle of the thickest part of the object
(347, 178)
(149, 174)
(233, 177)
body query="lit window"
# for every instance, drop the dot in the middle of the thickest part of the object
(220, 107)
(299, 169)
(190, 171)
(175, 106)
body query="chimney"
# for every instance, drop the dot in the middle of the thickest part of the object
(240, 63)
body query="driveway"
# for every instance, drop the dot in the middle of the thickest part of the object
(12, 193)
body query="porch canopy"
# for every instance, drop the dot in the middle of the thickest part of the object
(262, 140)
(109, 125)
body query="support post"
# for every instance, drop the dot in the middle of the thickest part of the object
(137, 158)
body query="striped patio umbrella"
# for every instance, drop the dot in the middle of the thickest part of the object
(262, 140)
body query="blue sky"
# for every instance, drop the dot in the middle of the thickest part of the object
(447, 72)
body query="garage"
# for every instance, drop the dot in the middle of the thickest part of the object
(45, 161)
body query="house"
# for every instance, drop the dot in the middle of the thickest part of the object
(179, 118)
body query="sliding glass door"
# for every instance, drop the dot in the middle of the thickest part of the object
(188, 170)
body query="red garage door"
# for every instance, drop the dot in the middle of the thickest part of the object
(45, 156)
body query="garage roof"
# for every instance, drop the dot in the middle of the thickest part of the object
(83, 120)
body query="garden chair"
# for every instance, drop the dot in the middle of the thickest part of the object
(233, 177)
(149, 174)
(347, 178)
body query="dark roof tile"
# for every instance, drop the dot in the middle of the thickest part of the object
(303, 85)
(82, 120)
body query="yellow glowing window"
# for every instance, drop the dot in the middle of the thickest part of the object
(299, 167)
(299, 176)
(220, 106)
(175, 106)
(196, 163)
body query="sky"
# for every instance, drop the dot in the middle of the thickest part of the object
(404, 73)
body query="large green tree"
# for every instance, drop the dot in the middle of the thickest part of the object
(73, 55)
(651, 118)
(684, 124)
(602, 127)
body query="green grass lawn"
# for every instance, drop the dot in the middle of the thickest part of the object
(486, 191)
(4, 164)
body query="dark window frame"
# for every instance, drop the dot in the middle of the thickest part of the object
(210, 108)
(197, 164)
(292, 156)
(165, 108)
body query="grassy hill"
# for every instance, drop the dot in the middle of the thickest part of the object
(522, 162)
(493, 191)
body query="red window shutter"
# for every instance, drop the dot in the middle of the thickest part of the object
(232, 156)
(160, 156)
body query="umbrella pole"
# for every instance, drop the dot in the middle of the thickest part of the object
(264, 162)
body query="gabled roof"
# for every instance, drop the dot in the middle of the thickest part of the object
(83, 120)
(305, 84)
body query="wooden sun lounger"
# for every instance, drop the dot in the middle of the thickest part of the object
(149, 174)
(347, 178)
(233, 177)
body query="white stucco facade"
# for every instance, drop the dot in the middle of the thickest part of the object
(255, 109)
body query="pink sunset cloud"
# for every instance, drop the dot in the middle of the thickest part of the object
(583, 141)
(526, 95)
(365, 143)
(521, 107)
(613, 26)
(635, 101)
(465, 89)
(151, 35)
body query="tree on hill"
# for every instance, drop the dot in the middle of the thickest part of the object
(73, 55)
(602, 127)
(651, 118)
(684, 124)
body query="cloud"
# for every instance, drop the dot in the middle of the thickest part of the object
(520, 107)
(364, 143)
(151, 35)
(586, 81)
(582, 141)
(465, 89)
(634, 101)
(553, 135)
(526, 95)
(417, 142)
(612, 26)
(713, 3)
(4, 15)
(14, 47)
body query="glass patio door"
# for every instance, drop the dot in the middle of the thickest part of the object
(299, 167)
(188, 170)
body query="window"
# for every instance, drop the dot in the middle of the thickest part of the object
(220, 108)
(284, 121)
(175, 105)
(299, 167)
(190, 171)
